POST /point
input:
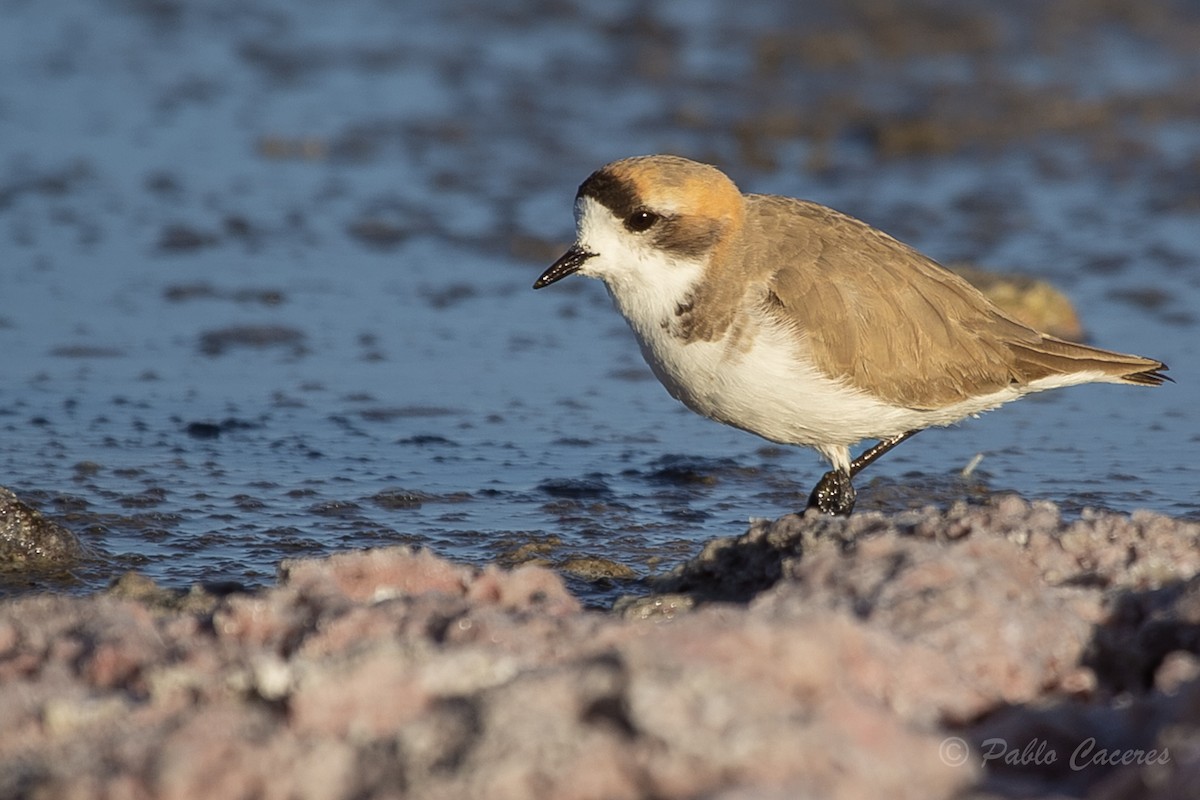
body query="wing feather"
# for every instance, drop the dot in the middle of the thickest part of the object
(880, 316)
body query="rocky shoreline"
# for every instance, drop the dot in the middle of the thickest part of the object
(982, 651)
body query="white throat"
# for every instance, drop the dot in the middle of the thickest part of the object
(647, 284)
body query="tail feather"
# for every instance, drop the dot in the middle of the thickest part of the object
(1049, 356)
(1150, 377)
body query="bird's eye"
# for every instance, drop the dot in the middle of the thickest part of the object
(641, 220)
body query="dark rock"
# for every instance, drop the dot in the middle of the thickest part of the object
(575, 487)
(28, 539)
(203, 430)
(217, 342)
(184, 238)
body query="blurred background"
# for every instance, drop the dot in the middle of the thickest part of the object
(265, 265)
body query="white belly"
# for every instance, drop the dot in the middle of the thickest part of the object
(767, 390)
(763, 382)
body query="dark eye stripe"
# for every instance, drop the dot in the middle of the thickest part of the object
(615, 194)
(687, 237)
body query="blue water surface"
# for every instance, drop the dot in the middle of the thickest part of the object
(265, 266)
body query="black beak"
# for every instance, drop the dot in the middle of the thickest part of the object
(570, 262)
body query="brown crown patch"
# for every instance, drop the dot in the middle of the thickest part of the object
(677, 186)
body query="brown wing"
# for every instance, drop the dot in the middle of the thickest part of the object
(882, 316)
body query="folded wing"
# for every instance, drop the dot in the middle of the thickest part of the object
(879, 315)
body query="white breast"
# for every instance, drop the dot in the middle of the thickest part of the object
(761, 380)
(768, 387)
(762, 383)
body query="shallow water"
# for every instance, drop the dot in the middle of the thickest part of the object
(265, 267)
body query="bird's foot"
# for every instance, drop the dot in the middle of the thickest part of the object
(834, 494)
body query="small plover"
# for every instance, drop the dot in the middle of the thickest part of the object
(804, 325)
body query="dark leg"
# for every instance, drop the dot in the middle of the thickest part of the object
(870, 454)
(834, 493)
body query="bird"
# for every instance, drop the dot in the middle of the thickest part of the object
(804, 325)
